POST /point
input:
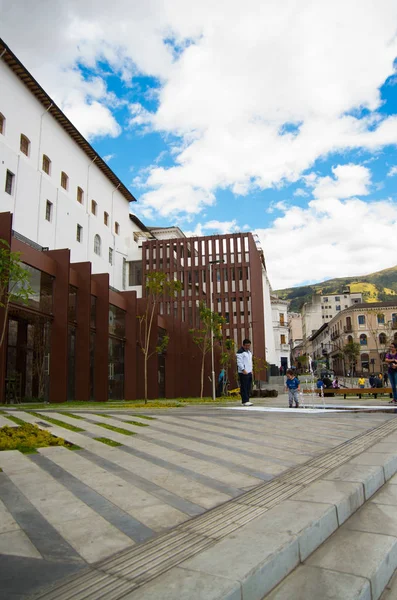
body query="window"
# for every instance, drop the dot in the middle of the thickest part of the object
(9, 188)
(46, 164)
(79, 233)
(64, 180)
(135, 272)
(97, 245)
(363, 339)
(94, 206)
(382, 338)
(381, 319)
(282, 319)
(48, 211)
(349, 339)
(337, 307)
(106, 219)
(337, 298)
(325, 300)
(24, 145)
(361, 319)
(80, 195)
(282, 339)
(111, 256)
(2, 124)
(116, 228)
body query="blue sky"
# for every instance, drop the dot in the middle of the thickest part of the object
(277, 119)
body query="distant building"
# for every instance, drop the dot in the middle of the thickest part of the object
(280, 331)
(322, 308)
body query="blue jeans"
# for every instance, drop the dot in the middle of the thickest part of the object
(393, 382)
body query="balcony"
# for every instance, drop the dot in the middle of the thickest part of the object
(335, 335)
(394, 325)
(347, 328)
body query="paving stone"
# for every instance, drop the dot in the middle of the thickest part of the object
(17, 543)
(374, 518)
(387, 460)
(346, 496)
(371, 476)
(387, 495)
(7, 522)
(190, 584)
(359, 553)
(313, 583)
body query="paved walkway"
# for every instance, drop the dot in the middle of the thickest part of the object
(62, 510)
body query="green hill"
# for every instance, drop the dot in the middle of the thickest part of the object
(375, 287)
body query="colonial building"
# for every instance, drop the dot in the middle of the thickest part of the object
(322, 308)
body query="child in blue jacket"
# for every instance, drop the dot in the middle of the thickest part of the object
(293, 385)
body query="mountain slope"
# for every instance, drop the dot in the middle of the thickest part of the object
(375, 287)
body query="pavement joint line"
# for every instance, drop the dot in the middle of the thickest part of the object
(129, 562)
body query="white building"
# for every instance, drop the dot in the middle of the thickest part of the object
(322, 308)
(280, 331)
(60, 192)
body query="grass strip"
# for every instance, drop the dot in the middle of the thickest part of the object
(56, 422)
(73, 447)
(116, 429)
(16, 420)
(137, 423)
(69, 414)
(146, 417)
(107, 441)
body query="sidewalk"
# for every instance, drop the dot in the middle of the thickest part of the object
(63, 511)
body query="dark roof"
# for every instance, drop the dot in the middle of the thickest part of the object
(27, 79)
(138, 222)
(369, 305)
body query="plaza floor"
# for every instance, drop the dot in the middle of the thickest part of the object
(63, 510)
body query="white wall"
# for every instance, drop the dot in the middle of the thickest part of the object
(32, 187)
(271, 354)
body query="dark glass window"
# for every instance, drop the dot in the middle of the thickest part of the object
(41, 284)
(9, 182)
(72, 307)
(135, 272)
(116, 321)
(93, 312)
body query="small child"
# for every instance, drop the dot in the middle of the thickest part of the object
(293, 385)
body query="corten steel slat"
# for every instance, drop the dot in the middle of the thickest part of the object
(6, 235)
(144, 562)
(244, 290)
(83, 330)
(101, 356)
(59, 329)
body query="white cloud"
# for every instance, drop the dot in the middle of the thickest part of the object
(392, 171)
(330, 238)
(300, 193)
(348, 181)
(256, 93)
(109, 157)
(217, 227)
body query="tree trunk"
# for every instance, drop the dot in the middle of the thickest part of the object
(202, 376)
(5, 322)
(145, 376)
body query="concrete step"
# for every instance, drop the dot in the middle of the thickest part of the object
(273, 535)
(356, 562)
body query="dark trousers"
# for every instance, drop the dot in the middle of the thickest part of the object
(245, 386)
(393, 382)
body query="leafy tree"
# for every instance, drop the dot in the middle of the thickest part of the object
(351, 351)
(227, 358)
(14, 283)
(259, 365)
(157, 285)
(210, 322)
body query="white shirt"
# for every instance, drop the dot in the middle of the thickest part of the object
(244, 361)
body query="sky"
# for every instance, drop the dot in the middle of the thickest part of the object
(278, 118)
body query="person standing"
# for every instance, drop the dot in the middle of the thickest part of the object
(361, 382)
(244, 368)
(293, 385)
(386, 379)
(391, 360)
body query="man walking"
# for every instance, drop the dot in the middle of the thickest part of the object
(244, 368)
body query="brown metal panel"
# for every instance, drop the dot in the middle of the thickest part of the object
(39, 260)
(130, 351)
(82, 272)
(117, 299)
(101, 337)
(257, 313)
(59, 330)
(5, 234)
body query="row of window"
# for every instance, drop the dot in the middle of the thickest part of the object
(24, 146)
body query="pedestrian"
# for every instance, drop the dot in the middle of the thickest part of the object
(244, 368)
(221, 382)
(292, 384)
(386, 379)
(335, 384)
(372, 381)
(380, 377)
(391, 360)
(361, 382)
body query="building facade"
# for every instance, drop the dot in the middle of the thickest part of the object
(322, 308)
(280, 332)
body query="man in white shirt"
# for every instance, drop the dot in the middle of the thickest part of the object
(244, 368)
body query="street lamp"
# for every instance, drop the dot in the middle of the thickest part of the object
(212, 262)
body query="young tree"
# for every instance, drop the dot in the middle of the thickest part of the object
(157, 286)
(14, 283)
(210, 322)
(259, 365)
(351, 352)
(227, 358)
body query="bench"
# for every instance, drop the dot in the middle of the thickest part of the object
(352, 392)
